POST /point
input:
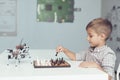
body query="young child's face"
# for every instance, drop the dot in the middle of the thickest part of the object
(93, 38)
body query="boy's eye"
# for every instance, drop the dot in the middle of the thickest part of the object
(90, 36)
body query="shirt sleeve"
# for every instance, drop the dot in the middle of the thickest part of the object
(108, 63)
(80, 56)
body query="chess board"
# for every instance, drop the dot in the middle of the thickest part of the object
(51, 63)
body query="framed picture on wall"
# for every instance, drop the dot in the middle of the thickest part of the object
(8, 17)
(55, 11)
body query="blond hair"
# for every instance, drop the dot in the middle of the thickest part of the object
(101, 25)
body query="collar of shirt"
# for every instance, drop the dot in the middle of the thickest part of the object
(98, 49)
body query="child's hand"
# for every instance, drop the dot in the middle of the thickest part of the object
(60, 49)
(69, 53)
(86, 64)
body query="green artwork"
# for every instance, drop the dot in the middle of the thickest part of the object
(55, 11)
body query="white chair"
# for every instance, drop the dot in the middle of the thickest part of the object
(118, 72)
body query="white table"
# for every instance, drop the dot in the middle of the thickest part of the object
(26, 71)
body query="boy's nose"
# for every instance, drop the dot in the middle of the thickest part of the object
(88, 38)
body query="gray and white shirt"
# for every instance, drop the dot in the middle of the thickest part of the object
(104, 56)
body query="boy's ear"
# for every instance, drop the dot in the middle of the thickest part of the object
(103, 36)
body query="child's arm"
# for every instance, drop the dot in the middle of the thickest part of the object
(86, 64)
(69, 53)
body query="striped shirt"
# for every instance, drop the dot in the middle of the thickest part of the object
(104, 56)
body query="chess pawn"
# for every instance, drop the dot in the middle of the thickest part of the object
(38, 62)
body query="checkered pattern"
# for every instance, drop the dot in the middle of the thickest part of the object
(104, 56)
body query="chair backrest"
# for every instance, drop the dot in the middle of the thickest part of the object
(118, 72)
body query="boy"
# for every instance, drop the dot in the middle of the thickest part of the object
(99, 55)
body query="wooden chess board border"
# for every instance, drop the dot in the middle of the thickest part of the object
(63, 66)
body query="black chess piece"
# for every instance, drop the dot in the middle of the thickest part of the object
(56, 54)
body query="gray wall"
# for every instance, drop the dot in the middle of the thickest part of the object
(41, 35)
